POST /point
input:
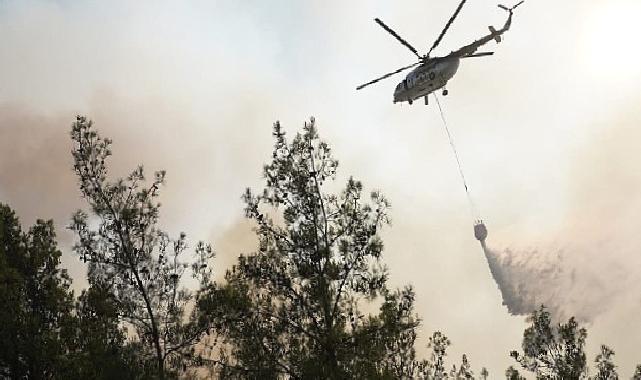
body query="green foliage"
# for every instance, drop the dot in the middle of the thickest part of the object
(43, 335)
(464, 371)
(435, 367)
(100, 347)
(606, 370)
(142, 264)
(553, 353)
(438, 343)
(513, 374)
(35, 301)
(298, 308)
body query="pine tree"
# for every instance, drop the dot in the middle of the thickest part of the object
(553, 353)
(513, 374)
(35, 300)
(294, 307)
(606, 370)
(141, 263)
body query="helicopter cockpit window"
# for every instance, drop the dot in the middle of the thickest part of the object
(399, 87)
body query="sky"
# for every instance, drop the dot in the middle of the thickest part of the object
(547, 131)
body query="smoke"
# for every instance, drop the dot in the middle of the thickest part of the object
(194, 88)
(230, 243)
(36, 176)
(530, 278)
(36, 168)
(589, 267)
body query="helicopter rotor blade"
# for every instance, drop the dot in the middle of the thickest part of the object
(480, 54)
(387, 75)
(447, 26)
(399, 38)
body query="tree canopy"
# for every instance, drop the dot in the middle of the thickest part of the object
(35, 301)
(311, 301)
(139, 265)
(317, 263)
(44, 333)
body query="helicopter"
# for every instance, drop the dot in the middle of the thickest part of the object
(433, 73)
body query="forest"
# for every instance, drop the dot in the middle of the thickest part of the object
(312, 301)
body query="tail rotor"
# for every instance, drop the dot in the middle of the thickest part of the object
(512, 8)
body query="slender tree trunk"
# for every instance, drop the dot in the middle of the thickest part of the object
(156, 337)
(154, 328)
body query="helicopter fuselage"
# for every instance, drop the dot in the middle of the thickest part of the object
(426, 78)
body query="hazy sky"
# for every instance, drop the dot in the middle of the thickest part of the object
(547, 130)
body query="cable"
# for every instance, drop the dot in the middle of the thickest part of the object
(473, 209)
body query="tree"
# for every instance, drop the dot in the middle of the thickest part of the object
(553, 353)
(100, 349)
(44, 335)
(513, 374)
(35, 300)
(141, 265)
(464, 371)
(436, 364)
(606, 370)
(637, 373)
(434, 367)
(293, 307)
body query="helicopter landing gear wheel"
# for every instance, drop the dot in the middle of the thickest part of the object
(410, 102)
(445, 92)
